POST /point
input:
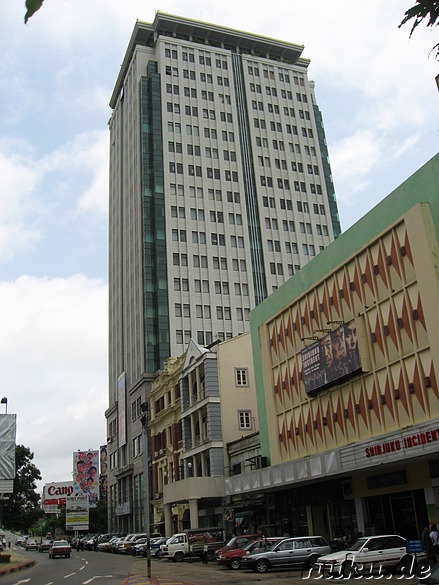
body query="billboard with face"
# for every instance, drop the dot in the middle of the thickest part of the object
(331, 359)
(103, 472)
(86, 475)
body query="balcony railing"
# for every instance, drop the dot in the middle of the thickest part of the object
(195, 442)
(186, 403)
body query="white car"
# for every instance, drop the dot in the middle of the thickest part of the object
(368, 554)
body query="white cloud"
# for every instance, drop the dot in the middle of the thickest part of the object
(53, 359)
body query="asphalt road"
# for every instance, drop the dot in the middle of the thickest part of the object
(96, 568)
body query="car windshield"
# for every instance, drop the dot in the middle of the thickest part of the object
(358, 544)
(231, 541)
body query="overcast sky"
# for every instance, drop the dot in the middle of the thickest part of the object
(380, 105)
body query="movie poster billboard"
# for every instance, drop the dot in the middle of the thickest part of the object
(77, 513)
(331, 359)
(86, 475)
(55, 494)
(103, 472)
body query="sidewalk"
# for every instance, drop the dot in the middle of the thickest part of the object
(16, 563)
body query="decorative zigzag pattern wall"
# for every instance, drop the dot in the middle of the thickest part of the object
(380, 288)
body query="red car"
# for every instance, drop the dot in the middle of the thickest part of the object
(232, 557)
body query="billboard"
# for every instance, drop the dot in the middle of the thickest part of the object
(331, 359)
(77, 513)
(86, 475)
(103, 486)
(7, 446)
(55, 494)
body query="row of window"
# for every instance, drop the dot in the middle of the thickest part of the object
(195, 150)
(192, 92)
(203, 59)
(213, 194)
(203, 312)
(182, 284)
(203, 337)
(175, 127)
(193, 111)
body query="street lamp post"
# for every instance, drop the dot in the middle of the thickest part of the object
(144, 421)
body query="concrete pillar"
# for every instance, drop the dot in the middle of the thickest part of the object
(193, 512)
(169, 528)
(359, 512)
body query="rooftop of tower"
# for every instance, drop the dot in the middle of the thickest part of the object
(209, 35)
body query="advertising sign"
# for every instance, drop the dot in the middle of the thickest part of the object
(86, 475)
(331, 358)
(77, 513)
(103, 472)
(55, 494)
(7, 446)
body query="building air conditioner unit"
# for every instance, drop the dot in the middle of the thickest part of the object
(161, 451)
(109, 439)
(156, 453)
(157, 496)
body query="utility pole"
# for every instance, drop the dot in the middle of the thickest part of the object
(144, 419)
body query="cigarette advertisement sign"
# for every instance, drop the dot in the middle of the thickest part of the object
(77, 513)
(86, 475)
(331, 359)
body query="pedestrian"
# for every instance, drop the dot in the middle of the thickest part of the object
(434, 540)
(9, 543)
(428, 546)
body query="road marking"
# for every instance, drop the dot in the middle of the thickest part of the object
(67, 576)
(97, 577)
(23, 581)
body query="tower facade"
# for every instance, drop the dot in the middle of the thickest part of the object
(220, 190)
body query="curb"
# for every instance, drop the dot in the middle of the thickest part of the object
(16, 568)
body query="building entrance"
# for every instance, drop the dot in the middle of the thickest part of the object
(402, 513)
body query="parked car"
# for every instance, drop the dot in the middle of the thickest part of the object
(155, 544)
(428, 576)
(31, 544)
(238, 542)
(44, 546)
(106, 546)
(303, 550)
(368, 553)
(59, 548)
(232, 558)
(18, 540)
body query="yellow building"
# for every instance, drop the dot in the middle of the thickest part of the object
(346, 358)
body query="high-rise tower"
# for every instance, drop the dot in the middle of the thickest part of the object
(220, 190)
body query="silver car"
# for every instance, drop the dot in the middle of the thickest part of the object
(367, 555)
(289, 552)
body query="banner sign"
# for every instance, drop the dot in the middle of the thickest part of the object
(86, 475)
(77, 513)
(7, 446)
(103, 486)
(331, 359)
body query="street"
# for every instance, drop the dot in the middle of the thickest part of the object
(93, 568)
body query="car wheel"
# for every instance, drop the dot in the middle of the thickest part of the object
(235, 563)
(68, 556)
(312, 561)
(261, 566)
(159, 554)
(407, 565)
(178, 557)
(348, 570)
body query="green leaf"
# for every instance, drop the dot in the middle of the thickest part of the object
(32, 6)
